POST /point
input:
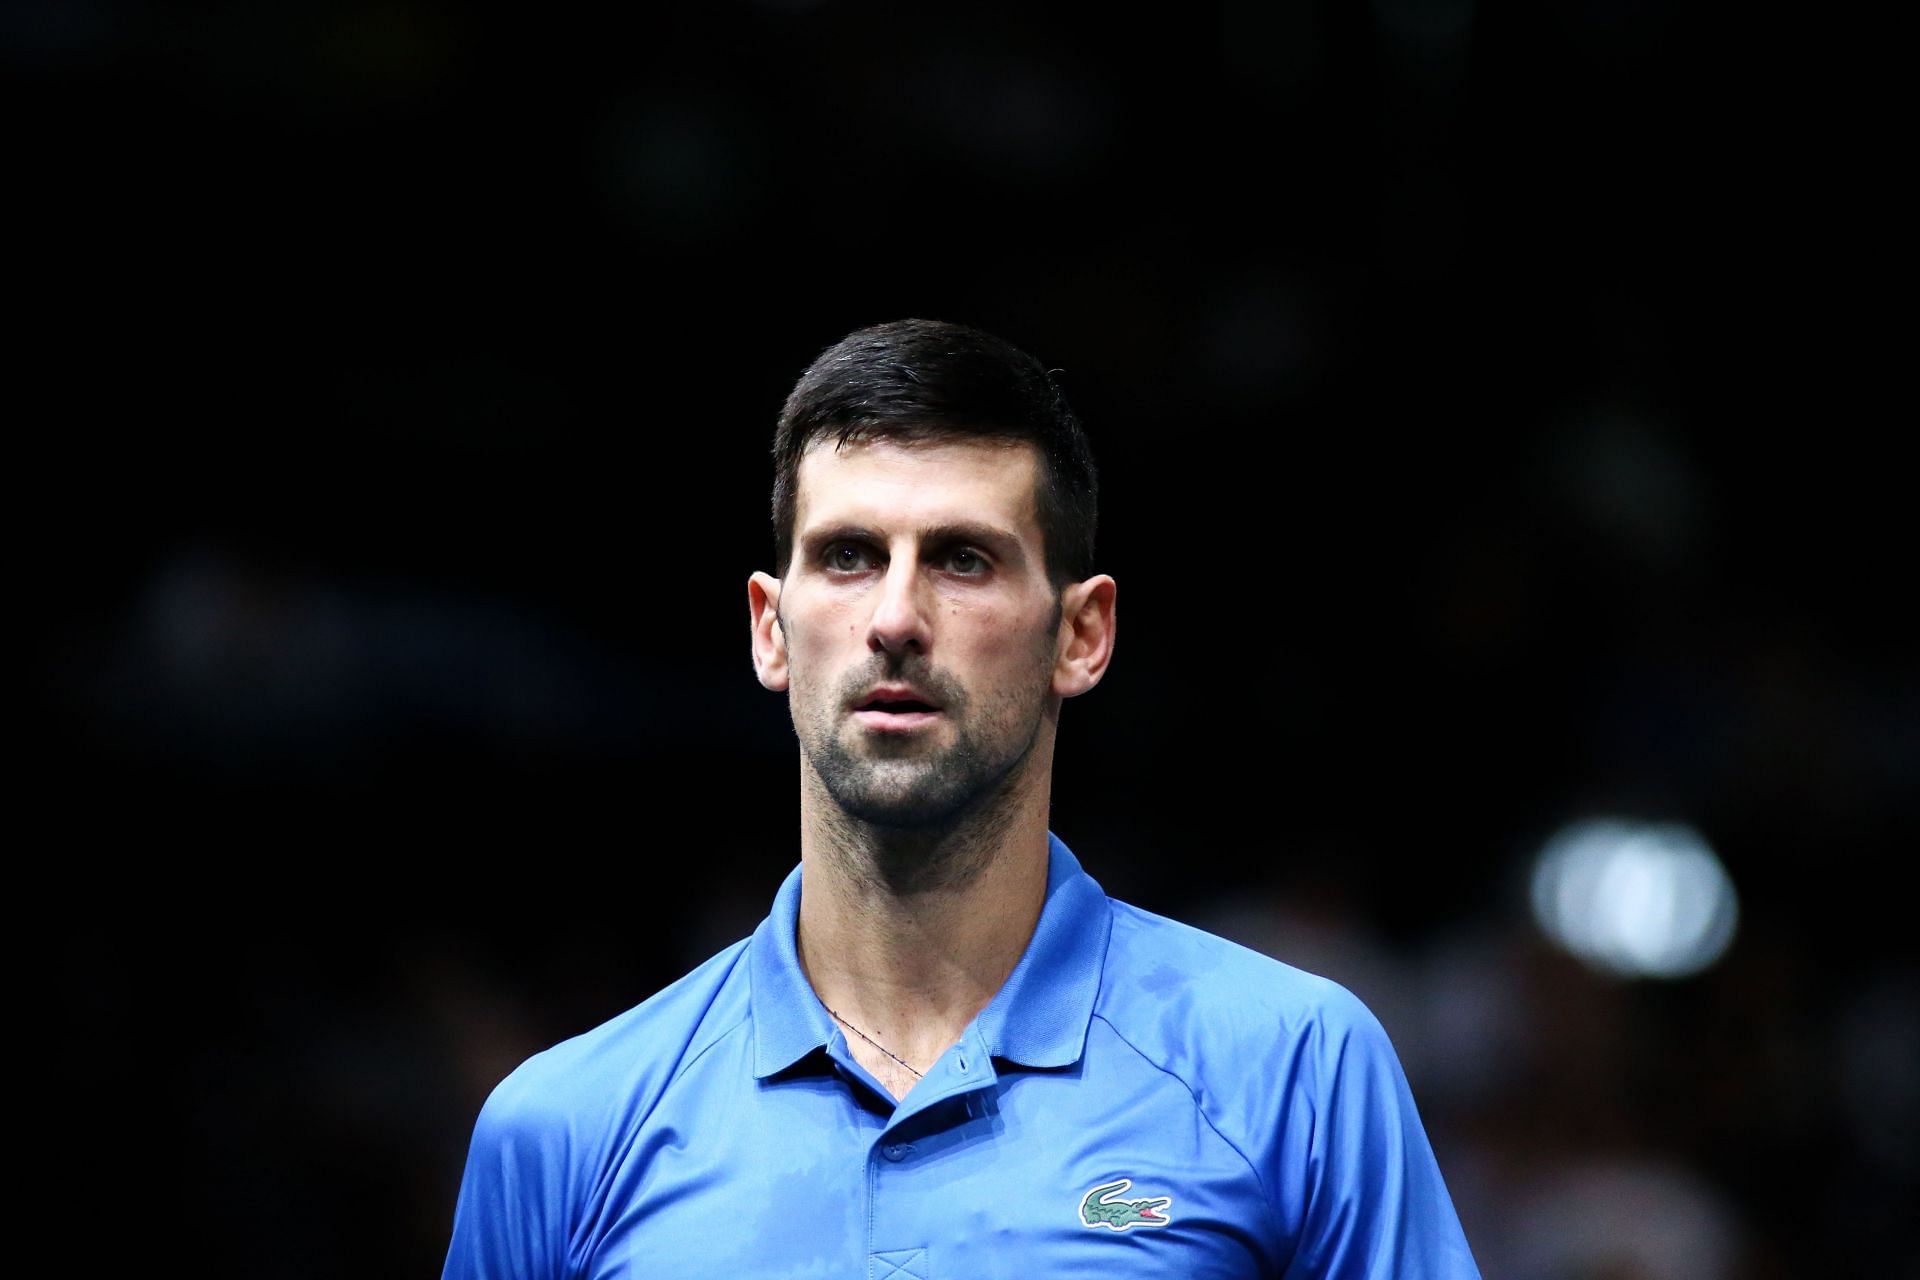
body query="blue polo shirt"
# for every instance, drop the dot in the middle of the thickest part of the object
(1140, 1099)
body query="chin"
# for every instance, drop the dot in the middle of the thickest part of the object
(910, 810)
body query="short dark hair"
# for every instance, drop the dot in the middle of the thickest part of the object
(929, 380)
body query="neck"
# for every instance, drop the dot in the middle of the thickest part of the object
(907, 934)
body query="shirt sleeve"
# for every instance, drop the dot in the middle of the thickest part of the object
(511, 1221)
(1376, 1206)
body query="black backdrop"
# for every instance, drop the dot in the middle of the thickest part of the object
(1490, 433)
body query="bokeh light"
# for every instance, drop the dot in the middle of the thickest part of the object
(1637, 900)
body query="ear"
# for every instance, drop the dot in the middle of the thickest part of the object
(1084, 644)
(769, 638)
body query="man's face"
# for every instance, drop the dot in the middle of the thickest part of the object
(918, 625)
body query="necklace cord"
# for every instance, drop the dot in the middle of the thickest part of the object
(875, 1043)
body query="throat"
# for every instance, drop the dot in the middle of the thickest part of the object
(903, 975)
(918, 869)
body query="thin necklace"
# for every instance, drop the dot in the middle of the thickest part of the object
(875, 1043)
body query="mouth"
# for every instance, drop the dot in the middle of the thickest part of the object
(894, 711)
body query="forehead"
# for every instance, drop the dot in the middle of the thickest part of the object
(920, 483)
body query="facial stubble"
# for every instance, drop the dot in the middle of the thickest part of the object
(900, 784)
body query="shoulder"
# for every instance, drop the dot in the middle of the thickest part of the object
(550, 1131)
(1298, 1076)
(1166, 982)
(1256, 1042)
(588, 1088)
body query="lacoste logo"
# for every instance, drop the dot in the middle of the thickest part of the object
(1099, 1209)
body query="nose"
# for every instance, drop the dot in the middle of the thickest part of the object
(900, 619)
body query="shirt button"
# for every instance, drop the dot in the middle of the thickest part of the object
(897, 1151)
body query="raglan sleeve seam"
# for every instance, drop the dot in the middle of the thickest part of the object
(1354, 1058)
(1266, 1193)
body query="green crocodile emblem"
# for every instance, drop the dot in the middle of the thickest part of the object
(1099, 1209)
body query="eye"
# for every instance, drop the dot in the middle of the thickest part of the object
(846, 557)
(966, 560)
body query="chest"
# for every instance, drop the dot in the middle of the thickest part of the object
(1091, 1172)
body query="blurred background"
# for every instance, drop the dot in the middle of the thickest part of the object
(1497, 467)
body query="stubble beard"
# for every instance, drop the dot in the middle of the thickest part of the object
(900, 799)
(908, 787)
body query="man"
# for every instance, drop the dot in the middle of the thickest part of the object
(946, 1053)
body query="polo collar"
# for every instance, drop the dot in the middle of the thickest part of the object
(789, 1022)
(1038, 1018)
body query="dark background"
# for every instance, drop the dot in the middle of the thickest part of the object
(1492, 433)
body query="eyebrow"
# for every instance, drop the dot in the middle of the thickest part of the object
(1003, 544)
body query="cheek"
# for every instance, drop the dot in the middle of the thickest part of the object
(816, 663)
(1007, 651)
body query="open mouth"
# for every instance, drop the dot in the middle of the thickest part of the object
(896, 706)
(895, 711)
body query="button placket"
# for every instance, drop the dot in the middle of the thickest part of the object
(886, 1260)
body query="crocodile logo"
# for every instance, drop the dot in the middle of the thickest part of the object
(1100, 1209)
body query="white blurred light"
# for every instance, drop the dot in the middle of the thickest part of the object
(1639, 900)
